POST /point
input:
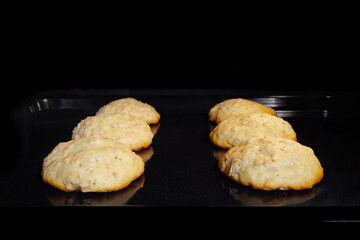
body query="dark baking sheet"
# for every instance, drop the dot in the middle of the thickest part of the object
(182, 170)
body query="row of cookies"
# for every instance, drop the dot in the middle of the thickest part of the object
(263, 148)
(100, 156)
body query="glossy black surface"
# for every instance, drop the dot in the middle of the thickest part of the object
(182, 170)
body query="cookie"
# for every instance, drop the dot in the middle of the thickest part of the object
(236, 130)
(270, 163)
(237, 107)
(124, 128)
(91, 164)
(134, 107)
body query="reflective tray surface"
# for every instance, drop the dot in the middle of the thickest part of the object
(181, 163)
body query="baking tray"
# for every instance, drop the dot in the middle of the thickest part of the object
(181, 167)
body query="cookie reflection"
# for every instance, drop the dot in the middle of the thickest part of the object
(211, 125)
(117, 198)
(154, 128)
(146, 154)
(248, 196)
(218, 152)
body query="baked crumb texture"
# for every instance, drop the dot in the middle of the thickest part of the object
(100, 156)
(91, 164)
(263, 151)
(237, 107)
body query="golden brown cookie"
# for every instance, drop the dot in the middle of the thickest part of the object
(124, 128)
(269, 163)
(237, 107)
(91, 164)
(236, 130)
(134, 107)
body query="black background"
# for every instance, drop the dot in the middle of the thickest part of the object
(310, 52)
(43, 53)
